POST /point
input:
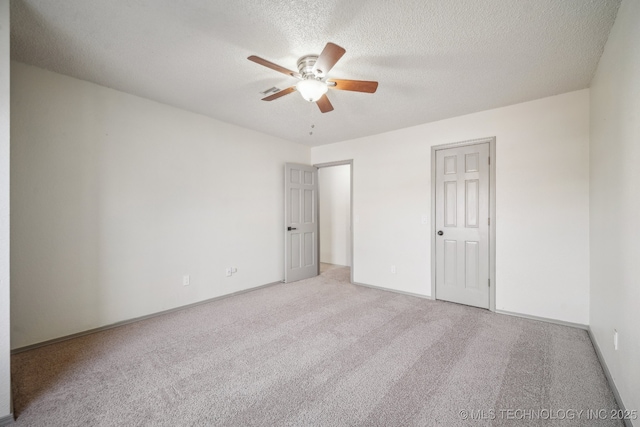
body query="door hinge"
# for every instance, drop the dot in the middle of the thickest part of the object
(489, 282)
(489, 158)
(488, 221)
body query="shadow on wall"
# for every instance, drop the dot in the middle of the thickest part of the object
(37, 372)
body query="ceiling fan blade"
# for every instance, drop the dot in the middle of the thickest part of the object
(328, 58)
(324, 104)
(273, 66)
(353, 85)
(277, 95)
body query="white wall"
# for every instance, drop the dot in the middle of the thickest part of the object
(335, 214)
(115, 197)
(542, 203)
(5, 384)
(615, 202)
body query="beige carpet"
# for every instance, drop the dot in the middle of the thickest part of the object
(318, 352)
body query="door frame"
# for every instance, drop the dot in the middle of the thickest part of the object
(492, 213)
(327, 165)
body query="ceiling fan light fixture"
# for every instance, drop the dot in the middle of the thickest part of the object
(312, 73)
(312, 89)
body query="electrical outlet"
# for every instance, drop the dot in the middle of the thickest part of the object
(234, 270)
(186, 280)
(393, 269)
(615, 339)
(424, 219)
(229, 272)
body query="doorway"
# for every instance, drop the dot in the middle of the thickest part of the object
(335, 189)
(463, 223)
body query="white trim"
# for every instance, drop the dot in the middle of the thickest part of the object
(7, 420)
(544, 319)
(492, 212)
(607, 374)
(395, 291)
(135, 319)
(336, 163)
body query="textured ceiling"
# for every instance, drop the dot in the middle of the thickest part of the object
(434, 59)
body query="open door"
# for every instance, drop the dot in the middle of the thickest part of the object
(301, 222)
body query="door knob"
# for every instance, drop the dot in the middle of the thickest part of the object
(440, 233)
(291, 228)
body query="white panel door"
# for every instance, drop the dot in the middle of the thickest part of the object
(462, 225)
(301, 222)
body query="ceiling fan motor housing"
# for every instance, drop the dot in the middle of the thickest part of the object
(306, 67)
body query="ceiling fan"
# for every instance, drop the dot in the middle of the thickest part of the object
(312, 73)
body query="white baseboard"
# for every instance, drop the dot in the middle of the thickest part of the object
(607, 373)
(544, 319)
(605, 368)
(8, 419)
(380, 288)
(136, 319)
